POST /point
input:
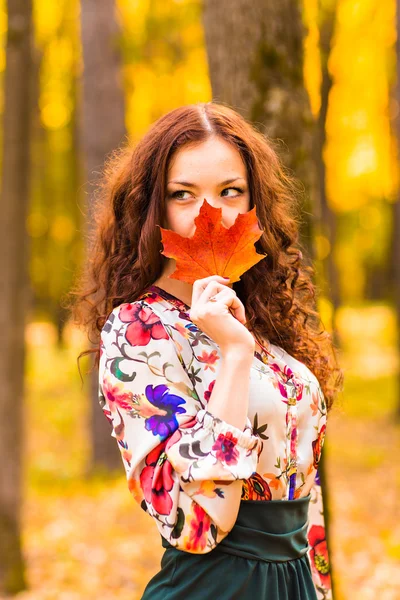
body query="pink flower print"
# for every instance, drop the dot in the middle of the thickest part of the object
(319, 554)
(225, 448)
(143, 326)
(293, 439)
(208, 392)
(157, 480)
(287, 380)
(116, 395)
(199, 524)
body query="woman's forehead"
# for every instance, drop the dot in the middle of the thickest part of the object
(214, 157)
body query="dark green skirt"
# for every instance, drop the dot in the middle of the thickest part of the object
(263, 557)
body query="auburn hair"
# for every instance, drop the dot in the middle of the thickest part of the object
(123, 256)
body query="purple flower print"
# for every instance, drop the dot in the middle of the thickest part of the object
(160, 396)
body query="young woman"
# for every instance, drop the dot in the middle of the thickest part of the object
(217, 392)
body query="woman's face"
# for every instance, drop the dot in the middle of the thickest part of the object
(213, 170)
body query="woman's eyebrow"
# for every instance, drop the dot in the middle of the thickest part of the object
(188, 184)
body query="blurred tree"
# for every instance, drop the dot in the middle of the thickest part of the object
(165, 62)
(327, 219)
(255, 55)
(14, 296)
(396, 205)
(102, 130)
(361, 170)
(327, 222)
(54, 219)
(259, 70)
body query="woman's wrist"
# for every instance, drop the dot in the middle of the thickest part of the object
(238, 354)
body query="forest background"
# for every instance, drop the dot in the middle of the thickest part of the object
(319, 76)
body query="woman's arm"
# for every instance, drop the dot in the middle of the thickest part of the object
(185, 465)
(230, 396)
(227, 409)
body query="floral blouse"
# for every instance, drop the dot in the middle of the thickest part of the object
(183, 465)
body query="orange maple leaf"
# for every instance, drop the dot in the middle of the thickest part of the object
(213, 249)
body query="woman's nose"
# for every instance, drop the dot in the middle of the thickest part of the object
(216, 203)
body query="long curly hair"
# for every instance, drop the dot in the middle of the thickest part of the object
(124, 245)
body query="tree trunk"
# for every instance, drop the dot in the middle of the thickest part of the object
(255, 55)
(15, 294)
(102, 128)
(396, 205)
(328, 219)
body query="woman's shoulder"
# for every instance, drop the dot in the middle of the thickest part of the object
(151, 319)
(299, 368)
(140, 309)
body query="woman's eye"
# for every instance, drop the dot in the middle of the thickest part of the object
(237, 190)
(179, 194)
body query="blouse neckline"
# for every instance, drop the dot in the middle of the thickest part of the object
(167, 295)
(177, 301)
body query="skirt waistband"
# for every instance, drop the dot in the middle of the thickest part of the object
(270, 530)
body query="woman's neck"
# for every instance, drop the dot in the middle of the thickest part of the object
(179, 289)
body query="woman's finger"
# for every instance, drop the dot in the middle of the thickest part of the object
(200, 285)
(227, 297)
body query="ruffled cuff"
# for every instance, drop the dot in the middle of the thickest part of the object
(213, 449)
(245, 438)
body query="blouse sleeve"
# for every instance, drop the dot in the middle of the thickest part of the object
(183, 465)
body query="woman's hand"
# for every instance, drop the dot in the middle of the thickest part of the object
(223, 321)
